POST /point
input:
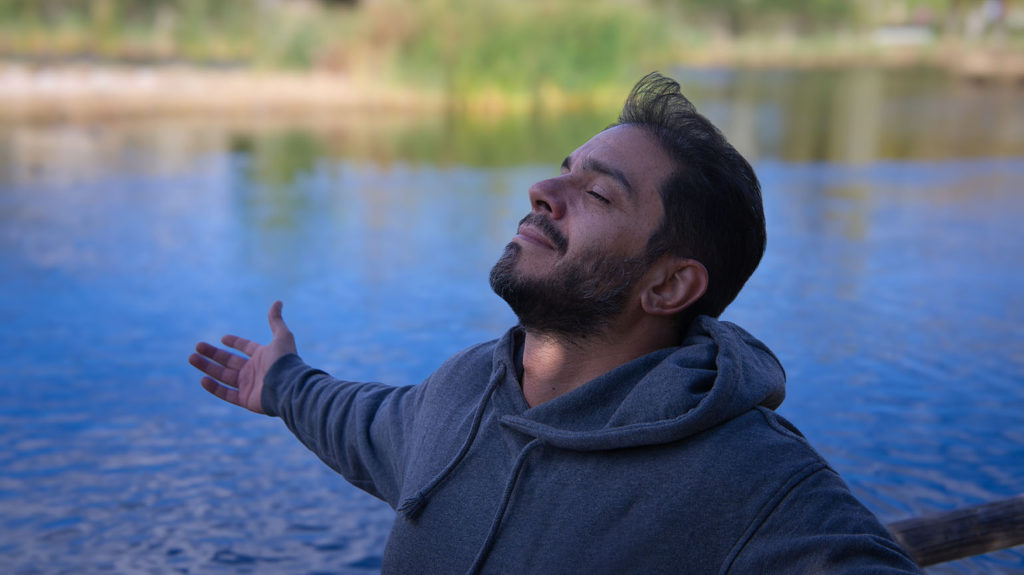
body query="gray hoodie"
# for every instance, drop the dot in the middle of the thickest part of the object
(672, 463)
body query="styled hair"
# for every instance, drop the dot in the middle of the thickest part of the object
(712, 200)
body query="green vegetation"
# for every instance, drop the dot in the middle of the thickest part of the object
(514, 50)
(511, 47)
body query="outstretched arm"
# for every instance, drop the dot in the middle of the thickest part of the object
(237, 379)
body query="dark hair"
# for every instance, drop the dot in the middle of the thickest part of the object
(712, 201)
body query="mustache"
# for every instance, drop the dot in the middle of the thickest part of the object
(549, 230)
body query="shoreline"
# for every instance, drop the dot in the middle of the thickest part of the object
(99, 91)
(70, 91)
(971, 61)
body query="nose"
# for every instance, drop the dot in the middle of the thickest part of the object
(548, 196)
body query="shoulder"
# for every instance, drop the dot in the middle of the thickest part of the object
(808, 519)
(473, 362)
(463, 376)
(763, 442)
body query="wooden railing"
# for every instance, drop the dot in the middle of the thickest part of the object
(962, 532)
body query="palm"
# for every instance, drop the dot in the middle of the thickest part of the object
(237, 379)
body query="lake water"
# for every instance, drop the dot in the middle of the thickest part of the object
(892, 290)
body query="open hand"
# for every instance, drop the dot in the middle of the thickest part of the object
(237, 379)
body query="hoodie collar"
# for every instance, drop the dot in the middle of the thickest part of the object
(719, 372)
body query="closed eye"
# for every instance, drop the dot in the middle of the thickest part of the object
(599, 197)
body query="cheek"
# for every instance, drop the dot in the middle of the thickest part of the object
(646, 225)
(637, 227)
(622, 237)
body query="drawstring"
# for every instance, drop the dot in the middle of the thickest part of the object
(496, 523)
(412, 506)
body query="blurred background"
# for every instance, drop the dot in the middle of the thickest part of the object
(168, 168)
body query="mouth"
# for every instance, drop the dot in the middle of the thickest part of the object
(533, 236)
(538, 230)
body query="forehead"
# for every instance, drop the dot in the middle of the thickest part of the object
(632, 152)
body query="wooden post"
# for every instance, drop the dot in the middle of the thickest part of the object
(962, 532)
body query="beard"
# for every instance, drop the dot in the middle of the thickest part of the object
(578, 299)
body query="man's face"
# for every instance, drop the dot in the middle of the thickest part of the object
(572, 266)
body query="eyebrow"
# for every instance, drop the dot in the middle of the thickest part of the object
(592, 165)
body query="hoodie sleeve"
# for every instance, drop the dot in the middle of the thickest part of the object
(357, 429)
(817, 526)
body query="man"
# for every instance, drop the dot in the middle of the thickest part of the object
(619, 428)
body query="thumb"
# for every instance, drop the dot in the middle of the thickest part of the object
(275, 319)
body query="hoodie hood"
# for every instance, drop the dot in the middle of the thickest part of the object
(719, 372)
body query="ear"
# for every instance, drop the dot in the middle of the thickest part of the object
(673, 284)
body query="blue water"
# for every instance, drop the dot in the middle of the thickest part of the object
(892, 291)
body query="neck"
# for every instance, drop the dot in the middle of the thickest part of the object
(554, 365)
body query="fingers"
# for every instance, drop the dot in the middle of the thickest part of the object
(221, 356)
(240, 343)
(228, 394)
(215, 370)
